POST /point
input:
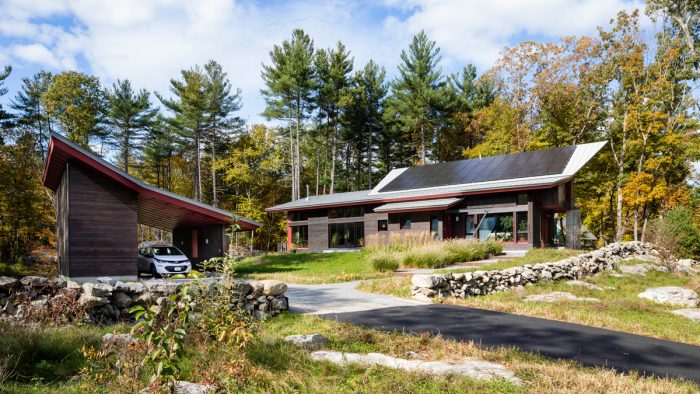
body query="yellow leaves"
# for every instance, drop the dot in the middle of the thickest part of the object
(643, 189)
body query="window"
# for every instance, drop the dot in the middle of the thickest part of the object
(522, 199)
(347, 212)
(498, 226)
(405, 221)
(346, 235)
(300, 215)
(300, 236)
(434, 224)
(470, 227)
(521, 229)
(382, 225)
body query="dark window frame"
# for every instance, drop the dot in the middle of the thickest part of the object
(304, 231)
(346, 235)
(346, 212)
(405, 222)
(382, 225)
(518, 200)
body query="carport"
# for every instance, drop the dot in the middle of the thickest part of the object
(98, 208)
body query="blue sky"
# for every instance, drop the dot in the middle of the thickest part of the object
(149, 41)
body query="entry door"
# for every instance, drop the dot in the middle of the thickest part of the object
(458, 225)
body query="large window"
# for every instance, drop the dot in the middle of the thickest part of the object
(300, 215)
(300, 236)
(521, 229)
(434, 226)
(497, 226)
(470, 227)
(346, 235)
(405, 222)
(346, 212)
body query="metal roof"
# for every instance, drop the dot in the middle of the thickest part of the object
(157, 207)
(578, 156)
(439, 203)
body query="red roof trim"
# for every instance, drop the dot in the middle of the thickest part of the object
(416, 198)
(131, 185)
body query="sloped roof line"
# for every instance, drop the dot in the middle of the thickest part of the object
(135, 183)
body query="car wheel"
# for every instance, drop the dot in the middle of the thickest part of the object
(154, 273)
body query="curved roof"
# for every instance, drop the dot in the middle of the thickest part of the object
(156, 207)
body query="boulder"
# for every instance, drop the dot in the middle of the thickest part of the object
(106, 280)
(97, 289)
(557, 296)
(110, 339)
(687, 266)
(689, 313)
(89, 301)
(427, 280)
(121, 300)
(279, 304)
(256, 287)
(273, 287)
(182, 387)
(162, 287)
(34, 281)
(311, 341)
(671, 295)
(422, 297)
(129, 287)
(639, 269)
(585, 285)
(7, 282)
(243, 288)
(473, 368)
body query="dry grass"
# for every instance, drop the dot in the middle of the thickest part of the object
(420, 250)
(401, 240)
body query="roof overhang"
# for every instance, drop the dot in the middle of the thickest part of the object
(419, 205)
(156, 207)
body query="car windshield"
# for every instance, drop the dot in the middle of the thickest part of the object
(166, 251)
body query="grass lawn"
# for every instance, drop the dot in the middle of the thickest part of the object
(310, 268)
(618, 309)
(275, 366)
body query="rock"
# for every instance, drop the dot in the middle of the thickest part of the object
(473, 368)
(89, 301)
(280, 304)
(162, 287)
(121, 300)
(97, 289)
(256, 286)
(586, 285)
(7, 282)
(639, 269)
(106, 280)
(34, 281)
(118, 339)
(73, 285)
(422, 297)
(427, 280)
(557, 296)
(644, 257)
(689, 313)
(273, 287)
(311, 341)
(243, 288)
(686, 266)
(130, 287)
(39, 304)
(671, 295)
(182, 387)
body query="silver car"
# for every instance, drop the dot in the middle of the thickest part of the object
(163, 260)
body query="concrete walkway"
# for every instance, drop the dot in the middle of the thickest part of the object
(339, 298)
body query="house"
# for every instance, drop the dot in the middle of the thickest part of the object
(99, 207)
(511, 198)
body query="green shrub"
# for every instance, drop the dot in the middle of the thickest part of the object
(428, 256)
(677, 233)
(385, 262)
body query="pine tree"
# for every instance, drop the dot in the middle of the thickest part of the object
(190, 108)
(5, 117)
(416, 100)
(129, 114)
(221, 123)
(31, 114)
(290, 84)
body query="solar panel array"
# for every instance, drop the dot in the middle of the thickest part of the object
(493, 168)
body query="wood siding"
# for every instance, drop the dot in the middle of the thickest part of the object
(211, 242)
(62, 224)
(102, 231)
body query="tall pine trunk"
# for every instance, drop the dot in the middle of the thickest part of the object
(198, 168)
(620, 160)
(215, 200)
(334, 152)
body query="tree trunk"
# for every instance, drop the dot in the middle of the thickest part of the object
(422, 144)
(620, 160)
(334, 152)
(296, 150)
(215, 200)
(126, 151)
(197, 169)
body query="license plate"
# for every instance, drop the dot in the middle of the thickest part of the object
(178, 268)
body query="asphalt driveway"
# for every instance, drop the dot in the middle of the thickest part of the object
(588, 345)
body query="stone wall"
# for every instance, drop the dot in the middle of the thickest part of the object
(109, 300)
(473, 283)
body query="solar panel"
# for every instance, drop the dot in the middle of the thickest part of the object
(492, 168)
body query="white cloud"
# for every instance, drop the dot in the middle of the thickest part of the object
(35, 53)
(150, 41)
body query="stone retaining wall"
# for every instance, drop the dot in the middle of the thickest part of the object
(485, 282)
(108, 300)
